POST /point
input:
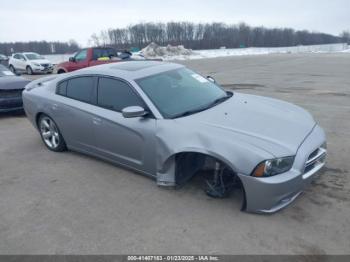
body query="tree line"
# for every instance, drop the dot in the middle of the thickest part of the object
(41, 47)
(207, 36)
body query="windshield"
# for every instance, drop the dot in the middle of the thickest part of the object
(33, 56)
(181, 92)
(5, 72)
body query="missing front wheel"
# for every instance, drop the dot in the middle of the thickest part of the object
(221, 183)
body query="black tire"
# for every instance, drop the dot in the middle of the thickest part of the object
(13, 70)
(61, 71)
(54, 141)
(29, 70)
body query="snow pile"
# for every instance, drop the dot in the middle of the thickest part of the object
(156, 51)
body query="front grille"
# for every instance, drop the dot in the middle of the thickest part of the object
(11, 93)
(45, 65)
(315, 159)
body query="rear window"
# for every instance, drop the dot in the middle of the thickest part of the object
(80, 88)
(103, 52)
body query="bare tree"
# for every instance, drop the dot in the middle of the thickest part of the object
(210, 35)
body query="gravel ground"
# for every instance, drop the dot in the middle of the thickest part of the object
(68, 203)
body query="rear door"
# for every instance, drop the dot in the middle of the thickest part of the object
(16, 62)
(21, 62)
(73, 112)
(128, 141)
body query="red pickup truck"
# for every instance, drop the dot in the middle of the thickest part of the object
(91, 57)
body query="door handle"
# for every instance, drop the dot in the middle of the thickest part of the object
(96, 121)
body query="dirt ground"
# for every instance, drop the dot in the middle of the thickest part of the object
(68, 203)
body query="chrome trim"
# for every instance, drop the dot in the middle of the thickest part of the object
(320, 153)
(318, 161)
(313, 171)
(283, 203)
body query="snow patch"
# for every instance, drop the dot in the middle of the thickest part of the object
(180, 53)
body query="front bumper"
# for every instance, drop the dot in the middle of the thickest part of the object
(270, 194)
(42, 69)
(10, 104)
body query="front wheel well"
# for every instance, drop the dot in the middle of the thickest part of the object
(218, 177)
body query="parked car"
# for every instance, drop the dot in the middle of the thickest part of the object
(11, 87)
(168, 122)
(4, 60)
(30, 63)
(91, 57)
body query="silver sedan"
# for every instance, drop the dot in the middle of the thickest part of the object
(170, 123)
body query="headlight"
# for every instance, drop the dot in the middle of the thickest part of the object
(273, 167)
(36, 64)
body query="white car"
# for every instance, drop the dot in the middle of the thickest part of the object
(30, 63)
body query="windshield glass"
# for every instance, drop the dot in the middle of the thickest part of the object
(34, 56)
(5, 72)
(181, 92)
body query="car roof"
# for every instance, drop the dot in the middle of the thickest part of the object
(130, 70)
(27, 53)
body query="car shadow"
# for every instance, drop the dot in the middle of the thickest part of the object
(19, 113)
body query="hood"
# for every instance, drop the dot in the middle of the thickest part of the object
(272, 125)
(41, 61)
(12, 82)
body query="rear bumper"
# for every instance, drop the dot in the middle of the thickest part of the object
(11, 104)
(268, 195)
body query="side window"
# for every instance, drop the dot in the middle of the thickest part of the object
(80, 88)
(16, 56)
(81, 56)
(105, 53)
(62, 88)
(116, 95)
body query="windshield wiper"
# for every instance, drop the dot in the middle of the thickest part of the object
(189, 112)
(214, 103)
(220, 100)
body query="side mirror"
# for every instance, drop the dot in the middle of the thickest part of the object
(211, 79)
(72, 59)
(133, 111)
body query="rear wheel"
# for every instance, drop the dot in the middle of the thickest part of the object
(29, 70)
(51, 135)
(13, 70)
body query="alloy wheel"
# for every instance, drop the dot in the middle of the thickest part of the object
(49, 132)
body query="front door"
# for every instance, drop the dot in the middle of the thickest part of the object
(81, 61)
(128, 141)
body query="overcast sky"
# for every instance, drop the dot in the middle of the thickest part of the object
(24, 20)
